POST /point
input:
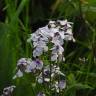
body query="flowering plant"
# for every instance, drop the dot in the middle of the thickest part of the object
(49, 41)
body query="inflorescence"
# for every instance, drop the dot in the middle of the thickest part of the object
(50, 40)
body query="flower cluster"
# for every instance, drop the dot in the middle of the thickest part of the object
(49, 38)
(8, 91)
(27, 65)
(54, 72)
(55, 32)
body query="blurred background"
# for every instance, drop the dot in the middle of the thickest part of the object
(19, 18)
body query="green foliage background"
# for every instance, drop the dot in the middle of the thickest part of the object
(18, 18)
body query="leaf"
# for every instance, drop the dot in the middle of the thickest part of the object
(21, 6)
(89, 74)
(71, 79)
(82, 86)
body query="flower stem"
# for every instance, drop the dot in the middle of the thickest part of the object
(50, 78)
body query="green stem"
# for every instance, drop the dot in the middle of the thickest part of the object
(50, 78)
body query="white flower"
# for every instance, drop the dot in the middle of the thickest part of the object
(47, 79)
(68, 35)
(52, 24)
(65, 22)
(39, 79)
(57, 71)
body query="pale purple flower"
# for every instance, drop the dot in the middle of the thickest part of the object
(18, 74)
(54, 57)
(37, 51)
(8, 91)
(62, 84)
(57, 49)
(40, 47)
(40, 94)
(57, 52)
(39, 64)
(21, 67)
(44, 31)
(22, 61)
(58, 38)
(55, 32)
(59, 86)
(30, 67)
(36, 64)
